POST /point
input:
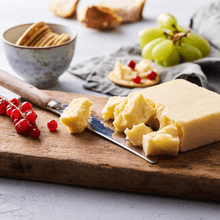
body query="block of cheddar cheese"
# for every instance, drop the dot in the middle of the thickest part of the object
(194, 110)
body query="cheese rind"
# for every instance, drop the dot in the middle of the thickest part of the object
(76, 115)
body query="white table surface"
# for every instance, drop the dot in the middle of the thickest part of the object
(21, 199)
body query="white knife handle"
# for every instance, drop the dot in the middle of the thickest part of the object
(24, 89)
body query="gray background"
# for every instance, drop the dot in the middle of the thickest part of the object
(21, 199)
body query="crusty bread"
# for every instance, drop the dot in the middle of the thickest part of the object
(63, 8)
(98, 17)
(128, 10)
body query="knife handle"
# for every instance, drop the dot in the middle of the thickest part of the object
(24, 89)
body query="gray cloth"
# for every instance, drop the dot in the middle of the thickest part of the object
(204, 72)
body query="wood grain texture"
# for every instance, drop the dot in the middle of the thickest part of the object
(89, 160)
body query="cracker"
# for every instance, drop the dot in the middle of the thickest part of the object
(40, 40)
(64, 8)
(39, 37)
(39, 31)
(131, 84)
(39, 43)
(46, 39)
(25, 37)
(50, 42)
(58, 39)
(64, 38)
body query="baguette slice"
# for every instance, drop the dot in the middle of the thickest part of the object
(128, 10)
(63, 8)
(98, 17)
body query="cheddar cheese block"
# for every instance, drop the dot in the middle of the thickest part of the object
(194, 110)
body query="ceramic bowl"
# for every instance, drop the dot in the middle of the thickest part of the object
(39, 66)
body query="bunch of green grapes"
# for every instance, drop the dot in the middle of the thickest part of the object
(169, 44)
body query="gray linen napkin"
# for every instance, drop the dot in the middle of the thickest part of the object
(204, 72)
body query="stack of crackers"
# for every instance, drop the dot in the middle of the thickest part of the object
(40, 35)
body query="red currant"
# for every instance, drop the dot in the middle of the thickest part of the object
(17, 120)
(35, 133)
(17, 128)
(2, 107)
(152, 75)
(31, 116)
(15, 102)
(9, 110)
(6, 102)
(25, 107)
(23, 124)
(52, 125)
(15, 114)
(137, 79)
(132, 64)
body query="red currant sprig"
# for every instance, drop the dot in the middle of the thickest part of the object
(24, 117)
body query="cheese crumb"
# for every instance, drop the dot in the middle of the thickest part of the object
(132, 111)
(135, 135)
(108, 110)
(162, 142)
(76, 115)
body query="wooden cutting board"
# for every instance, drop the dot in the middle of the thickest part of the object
(89, 160)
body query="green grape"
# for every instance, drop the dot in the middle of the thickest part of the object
(159, 62)
(166, 53)
(181, 29)
(149, 34)
(198, 42)
(170, 32)
(167, 21)
(189, 52)
(147, 50)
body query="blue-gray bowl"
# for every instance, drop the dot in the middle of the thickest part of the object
(39, 66)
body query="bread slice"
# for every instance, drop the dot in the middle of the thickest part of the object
(98, 17)
(128, 10)
(63, 8)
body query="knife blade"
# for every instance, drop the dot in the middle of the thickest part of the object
(43, 100)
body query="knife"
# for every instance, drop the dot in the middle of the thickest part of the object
(45, 101)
